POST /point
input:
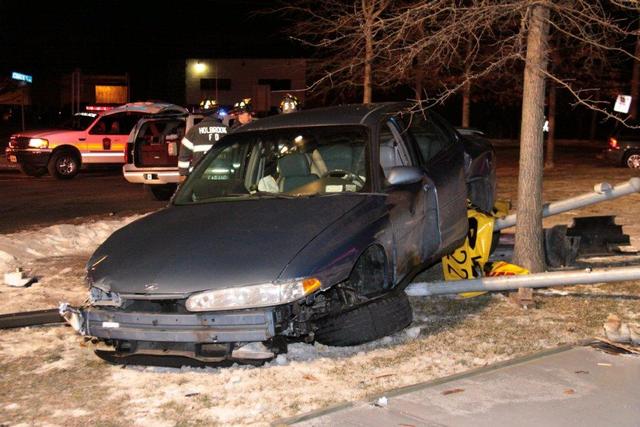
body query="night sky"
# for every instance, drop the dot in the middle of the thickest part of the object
(118, 36)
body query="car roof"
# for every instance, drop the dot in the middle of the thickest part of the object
(352, 114)
(148, 108)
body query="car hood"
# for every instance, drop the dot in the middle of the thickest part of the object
(184, 249)
(43, 133)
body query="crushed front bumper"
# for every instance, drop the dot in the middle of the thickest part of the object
(112, 324)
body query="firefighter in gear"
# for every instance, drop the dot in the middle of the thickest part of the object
(198, 141)
(241, 114)
(289, 104)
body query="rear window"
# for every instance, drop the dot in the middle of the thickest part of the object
(160, 131)
(628, 133)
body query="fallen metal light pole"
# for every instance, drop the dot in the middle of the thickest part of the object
(602, 192)
(538, 280)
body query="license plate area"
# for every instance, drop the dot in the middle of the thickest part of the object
(151, 176)
(13, 159)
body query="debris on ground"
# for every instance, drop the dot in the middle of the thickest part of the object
(382, 402)
(17, 279)
(618, 331)
(452, 391)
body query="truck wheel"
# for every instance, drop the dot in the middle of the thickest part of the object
(632, 160)
(161, 192)
(36, 171)
(64, 165)
(370, 321)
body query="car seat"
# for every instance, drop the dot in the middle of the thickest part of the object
(337, 157)
(294, 172)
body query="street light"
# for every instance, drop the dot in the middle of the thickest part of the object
(200, 67)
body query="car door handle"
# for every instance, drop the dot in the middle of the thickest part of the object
(82, 139)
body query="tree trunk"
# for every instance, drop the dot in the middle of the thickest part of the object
(635, 82)
(528, 250)
(368, 51)
(551, 133)
(466, 104)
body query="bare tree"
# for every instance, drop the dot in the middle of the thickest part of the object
(517, 30)
(346, 34)
(528, 249)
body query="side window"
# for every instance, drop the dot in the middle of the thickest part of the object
(115, 124)
(430, 138)
(393, 151)
(101, 126)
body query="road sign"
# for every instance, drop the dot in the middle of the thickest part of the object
(623, 103)
(22, 77)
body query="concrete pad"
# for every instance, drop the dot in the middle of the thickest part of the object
(570, 386)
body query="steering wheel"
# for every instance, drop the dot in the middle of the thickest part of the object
(344, 174)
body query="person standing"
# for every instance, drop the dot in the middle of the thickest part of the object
(198, 141)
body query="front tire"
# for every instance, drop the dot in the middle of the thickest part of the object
(632, 160)
(162, 192)
(64, 165)
(370, 321)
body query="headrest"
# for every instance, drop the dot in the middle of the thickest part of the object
(295, 164)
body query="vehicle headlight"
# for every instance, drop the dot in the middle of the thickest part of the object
(263, 295)
(38, 143)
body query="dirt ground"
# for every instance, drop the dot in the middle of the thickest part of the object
(50, 376)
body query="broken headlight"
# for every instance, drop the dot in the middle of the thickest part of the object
(253, 296)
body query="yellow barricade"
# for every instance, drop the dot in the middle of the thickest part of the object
(468, 261)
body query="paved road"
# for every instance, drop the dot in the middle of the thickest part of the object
(579, 386)
(27, 202)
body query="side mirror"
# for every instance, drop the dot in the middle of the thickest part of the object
(403, 175)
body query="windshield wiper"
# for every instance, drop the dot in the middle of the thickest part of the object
(268, 194)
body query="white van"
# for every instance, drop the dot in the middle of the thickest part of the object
(151, 155)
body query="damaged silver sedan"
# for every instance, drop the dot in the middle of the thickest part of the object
(305, 226)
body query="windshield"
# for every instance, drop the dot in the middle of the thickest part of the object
(79, 121)
(289, 162)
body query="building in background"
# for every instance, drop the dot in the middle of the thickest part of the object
(80, 90)
(227, 81)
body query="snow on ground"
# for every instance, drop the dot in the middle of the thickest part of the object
(55, 379)
(55, 256)
(18, 249)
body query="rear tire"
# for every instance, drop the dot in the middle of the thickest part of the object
(632, 160)
(64, 165)
(370, 321)
(35, 171)
(162, 192)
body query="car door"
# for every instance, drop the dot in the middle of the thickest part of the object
(107, 138)
(405, 203)
(441, 155)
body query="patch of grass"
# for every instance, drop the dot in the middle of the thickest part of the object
(205, 400)
(52, 357)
